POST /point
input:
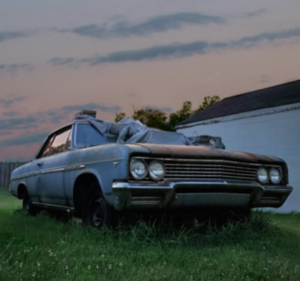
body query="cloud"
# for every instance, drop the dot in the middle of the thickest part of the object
(165, 109)
(255, 13)
(267, 37)
(91, 105)
(14, 68)
(60, 62)
(8, 35)
(156, 24)
(10, 113)
(264, 79)
(153, 53)
(7, 102)
(18, 123)
(5, 133)
(24, 139)
(62, 113)
(164, 52)
(55, 116)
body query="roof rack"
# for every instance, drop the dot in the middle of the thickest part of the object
(87, 112)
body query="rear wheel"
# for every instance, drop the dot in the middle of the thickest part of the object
(28, 208)
(96, 212)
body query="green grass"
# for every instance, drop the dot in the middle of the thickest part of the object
(42, 248)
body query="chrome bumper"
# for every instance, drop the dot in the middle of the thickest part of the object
(179, 194)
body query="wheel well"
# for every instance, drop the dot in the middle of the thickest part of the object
(81, 186)
(21, 189)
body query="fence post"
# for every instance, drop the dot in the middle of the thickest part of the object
(1, 175)
(6, 169)
(4, 174)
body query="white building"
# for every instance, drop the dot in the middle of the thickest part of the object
(265, 122)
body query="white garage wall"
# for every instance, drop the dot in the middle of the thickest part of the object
(275, 134)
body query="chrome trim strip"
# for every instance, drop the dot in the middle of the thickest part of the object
(209, 166)
(53, 205)
(205, 161)
(170, 185)
(208, 177)
(47, 171)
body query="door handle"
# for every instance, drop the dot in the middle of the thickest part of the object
(40, 163)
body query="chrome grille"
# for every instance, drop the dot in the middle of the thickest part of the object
(210, 170)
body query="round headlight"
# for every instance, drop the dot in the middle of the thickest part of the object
(156, 170)
(138, 169)
(262, 175)
(275, 176)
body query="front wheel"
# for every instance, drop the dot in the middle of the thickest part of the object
(96, 212)
(27, 207)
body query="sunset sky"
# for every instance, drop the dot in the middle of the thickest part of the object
(58, 57)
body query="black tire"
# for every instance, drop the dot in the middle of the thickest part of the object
(96, 212)
(27, 207)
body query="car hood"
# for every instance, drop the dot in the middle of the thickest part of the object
(204, 152)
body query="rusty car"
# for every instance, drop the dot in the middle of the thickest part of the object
(96, 169)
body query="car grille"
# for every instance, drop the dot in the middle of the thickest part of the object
(210, 170)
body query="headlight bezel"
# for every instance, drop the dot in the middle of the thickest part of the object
(280, 175)
(134, 175)
(151, 174)
(267, 173)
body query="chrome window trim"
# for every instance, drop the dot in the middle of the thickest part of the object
(51, 135)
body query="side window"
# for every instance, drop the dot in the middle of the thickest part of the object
(47, 147)
(59, 144)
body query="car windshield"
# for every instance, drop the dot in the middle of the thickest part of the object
(87, 135)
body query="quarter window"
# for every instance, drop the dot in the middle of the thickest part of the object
(87, 136)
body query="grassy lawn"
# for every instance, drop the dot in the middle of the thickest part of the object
(42, 248)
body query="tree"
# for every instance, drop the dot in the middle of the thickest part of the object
(120, 116)
(158, 119)
(151, 118)
(207, 102)
(180, 115)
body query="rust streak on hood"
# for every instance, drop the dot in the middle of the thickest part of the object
(205, 152)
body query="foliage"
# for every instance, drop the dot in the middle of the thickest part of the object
(208, 101)
(180, 115)
(120, 116)
(159, 119)
(151, 117)
(43, 248)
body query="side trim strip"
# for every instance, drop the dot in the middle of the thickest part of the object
(53, 206)
(46, 171)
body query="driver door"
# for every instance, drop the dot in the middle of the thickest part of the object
(51, 166)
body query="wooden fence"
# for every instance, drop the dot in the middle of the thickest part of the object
(5, 171)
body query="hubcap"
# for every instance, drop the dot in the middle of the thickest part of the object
(98, 212)
(26, 202)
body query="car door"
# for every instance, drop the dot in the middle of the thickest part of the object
(50, 166)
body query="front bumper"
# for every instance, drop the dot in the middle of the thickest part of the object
(180, 194)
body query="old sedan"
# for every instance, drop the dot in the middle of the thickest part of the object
(96, 169)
